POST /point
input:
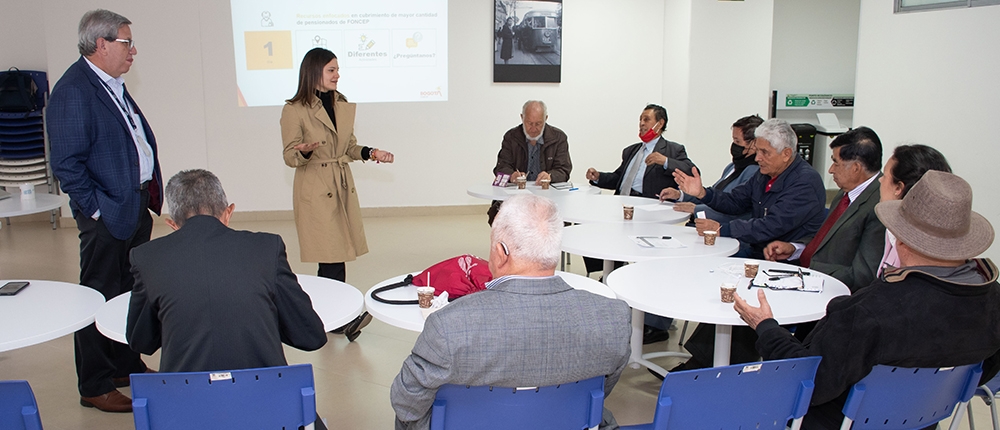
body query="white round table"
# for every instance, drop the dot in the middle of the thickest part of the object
(45, 310)
(613, 242)
(410, 318)
(335, 302)
(606, 208)
(14, 206)
(688, 289)
(490, 192)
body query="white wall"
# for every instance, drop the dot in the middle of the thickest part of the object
(814, 50)
(931, 78)
(729, 69)
(23, 36)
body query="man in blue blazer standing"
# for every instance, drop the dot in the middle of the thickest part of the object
(104, 155)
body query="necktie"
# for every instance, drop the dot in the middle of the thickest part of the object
(807, 254)
(625, 189)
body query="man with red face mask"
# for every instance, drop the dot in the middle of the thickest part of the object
(647, 167)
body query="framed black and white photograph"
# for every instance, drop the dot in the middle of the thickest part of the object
(527, 41)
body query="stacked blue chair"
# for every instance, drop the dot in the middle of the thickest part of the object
(18, 409)
(272, 397)
(987, 392)
(892, 398)
(576, 405)
(760, 396)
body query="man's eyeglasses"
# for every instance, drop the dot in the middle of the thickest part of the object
(128, 42)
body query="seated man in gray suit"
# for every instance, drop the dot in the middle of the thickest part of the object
(849, 244)
(528, 328)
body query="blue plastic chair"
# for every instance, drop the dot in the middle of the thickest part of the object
(576, 405)
(271, 397)
(988, 393)
(892, 398)
(762, 395)
(18, 409)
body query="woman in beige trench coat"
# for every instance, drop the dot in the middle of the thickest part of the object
(317, 130)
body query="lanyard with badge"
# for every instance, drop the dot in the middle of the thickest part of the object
(140, 137)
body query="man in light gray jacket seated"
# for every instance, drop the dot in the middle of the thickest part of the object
(528, 328)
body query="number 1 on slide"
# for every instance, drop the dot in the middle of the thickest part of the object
(268, 50)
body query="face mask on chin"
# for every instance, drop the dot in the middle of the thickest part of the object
(649, 135)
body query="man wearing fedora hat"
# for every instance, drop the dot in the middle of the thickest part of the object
(938, 309)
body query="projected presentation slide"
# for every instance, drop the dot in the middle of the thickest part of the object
(388, 50)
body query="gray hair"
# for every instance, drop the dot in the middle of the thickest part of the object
(527, 104)
(779, 133)
(195, 192)
(531, 228)
(98, 24)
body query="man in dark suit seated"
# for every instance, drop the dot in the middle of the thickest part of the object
(939, 309)
(212, 297)
(528, 328)
(849, 245)
(648, 166)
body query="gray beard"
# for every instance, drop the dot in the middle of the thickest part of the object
(532, 137)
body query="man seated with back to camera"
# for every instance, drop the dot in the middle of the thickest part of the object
(534, 149)
(940, 309)
(216, 298)
(528, 328)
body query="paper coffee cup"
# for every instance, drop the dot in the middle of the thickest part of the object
(628, 212)
(545, 183)
(710, 237)
(522, 181)
(750, 269)
(728, 293)
(424, 296)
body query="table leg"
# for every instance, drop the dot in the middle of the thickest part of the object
(609, 265)
(723, 342)
(637, 358)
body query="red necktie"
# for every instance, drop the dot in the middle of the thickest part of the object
(807, 254)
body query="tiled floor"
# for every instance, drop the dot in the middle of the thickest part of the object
(352, 379)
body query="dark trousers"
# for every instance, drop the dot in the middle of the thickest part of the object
(335, 271)
(105, 267)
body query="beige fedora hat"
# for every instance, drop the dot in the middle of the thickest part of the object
(936, 219)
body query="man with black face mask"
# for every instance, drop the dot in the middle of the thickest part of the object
(743, 167)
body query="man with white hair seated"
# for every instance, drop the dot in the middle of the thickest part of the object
(786, 199)
(528, 328)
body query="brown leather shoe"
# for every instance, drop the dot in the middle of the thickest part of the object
(112, 401)
(125, 381)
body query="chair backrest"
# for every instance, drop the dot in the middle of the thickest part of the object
(18, 409)
(575, 405)
(271, 397)
(909, 398)
(761, 395)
